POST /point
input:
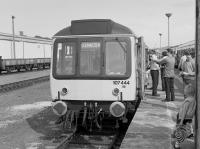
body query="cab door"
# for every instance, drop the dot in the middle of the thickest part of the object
(140, 52)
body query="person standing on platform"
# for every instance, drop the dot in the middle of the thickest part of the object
(162, 71)
(169, 62)
(154, 70)
(188, 71)
(182, 60)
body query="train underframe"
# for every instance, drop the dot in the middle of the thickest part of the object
(90, 115)
(28, 67)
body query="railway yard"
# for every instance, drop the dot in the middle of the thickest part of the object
(98, 79)
(84, 101)
(28, 122)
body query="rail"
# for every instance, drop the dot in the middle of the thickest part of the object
(109, 137)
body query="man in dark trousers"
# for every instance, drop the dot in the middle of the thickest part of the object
(162, 71)
(154, 70)
(169, 62)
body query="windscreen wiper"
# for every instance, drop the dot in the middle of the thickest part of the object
(121, 45)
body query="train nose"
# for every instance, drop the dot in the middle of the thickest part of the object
(59, 108)
(117, 109)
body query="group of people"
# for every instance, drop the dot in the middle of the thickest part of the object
(167, 63)
(186, 68)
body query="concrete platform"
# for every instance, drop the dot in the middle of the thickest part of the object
(150, 129)
(154, 121)
(16, 77)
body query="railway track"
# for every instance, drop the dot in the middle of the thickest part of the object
(93, 140)
(21, 84)
(109, 137)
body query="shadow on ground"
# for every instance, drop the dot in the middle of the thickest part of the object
(43, 123)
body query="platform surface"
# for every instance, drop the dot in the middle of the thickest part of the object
(16, 77)
(154, 122)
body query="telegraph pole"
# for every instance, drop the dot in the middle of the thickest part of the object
(197, 48)
(13, 30)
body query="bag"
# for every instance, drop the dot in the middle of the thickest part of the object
(182, 132)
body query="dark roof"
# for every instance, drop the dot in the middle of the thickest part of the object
(94, 26)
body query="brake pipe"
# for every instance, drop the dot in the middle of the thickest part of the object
(96, 116)
(84, 114)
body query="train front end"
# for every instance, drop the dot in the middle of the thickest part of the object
(93, 72)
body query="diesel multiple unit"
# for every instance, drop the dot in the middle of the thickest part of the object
(96, 72)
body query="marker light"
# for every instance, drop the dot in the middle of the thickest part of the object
(115, 92)
(64, 91)
(59, 107)
(117, 109)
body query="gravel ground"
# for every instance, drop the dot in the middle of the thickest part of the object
(27, 121)
(15, 77)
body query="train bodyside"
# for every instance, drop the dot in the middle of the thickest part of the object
(27, 63)
(110, 86)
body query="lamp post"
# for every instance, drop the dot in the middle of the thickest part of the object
(160, 40)
(13, 30)
(168, 15)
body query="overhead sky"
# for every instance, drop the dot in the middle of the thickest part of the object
(144, 17)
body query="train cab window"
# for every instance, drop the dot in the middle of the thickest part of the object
(90, 58)
(65, 64)
(96, 58)
(115, 53)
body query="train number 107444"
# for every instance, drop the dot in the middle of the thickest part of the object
(121, 82)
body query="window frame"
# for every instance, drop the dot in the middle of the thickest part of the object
(79, 59)
(102, 75)
(128, 56)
